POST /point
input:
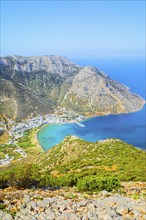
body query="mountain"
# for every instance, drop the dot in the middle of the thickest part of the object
(39, 84)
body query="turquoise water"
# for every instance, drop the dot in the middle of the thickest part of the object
(127, 127)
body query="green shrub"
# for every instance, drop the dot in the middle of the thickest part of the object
(68, 180)
(2, 206)
(23, 144)
(98, 183)
(24, 175)
(47, 180)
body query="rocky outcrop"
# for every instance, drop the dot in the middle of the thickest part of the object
(52, 64)
(65, 204)
(39, 84)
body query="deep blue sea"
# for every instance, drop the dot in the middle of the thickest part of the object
(127, 127)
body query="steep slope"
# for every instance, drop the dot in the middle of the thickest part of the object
(53, 184)
(94, 91)
(112, 156)
(18, 101)
(32, 84)
(76, 156)
(39, 84)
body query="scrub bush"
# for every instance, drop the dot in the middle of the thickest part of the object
(98, 183)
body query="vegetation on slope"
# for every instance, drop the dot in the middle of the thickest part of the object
(74, 162)
(110, 156)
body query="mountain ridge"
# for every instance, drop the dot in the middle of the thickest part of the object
(39, 84)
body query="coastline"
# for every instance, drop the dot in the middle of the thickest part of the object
(88, 118)
(118, 113)
(36, 137)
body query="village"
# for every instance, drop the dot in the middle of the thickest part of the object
(61, 116)
(17, 130)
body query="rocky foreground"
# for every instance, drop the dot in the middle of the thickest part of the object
(63, 204)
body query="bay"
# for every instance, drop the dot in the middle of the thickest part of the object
(127, 127)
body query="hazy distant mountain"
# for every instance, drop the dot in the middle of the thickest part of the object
(39, 84)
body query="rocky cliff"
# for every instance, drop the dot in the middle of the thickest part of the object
(39, 84)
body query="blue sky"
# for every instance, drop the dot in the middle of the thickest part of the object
(73, 28)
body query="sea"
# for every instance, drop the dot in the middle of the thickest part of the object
(130, 127)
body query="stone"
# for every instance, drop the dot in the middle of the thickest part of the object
(41, 216)
(23, 206)
(104, 193)
(53, 200)
(28, 217)
(41, 204)
(24, 212)
(1, 214)
(82, 203)
(64, 216)
(92, 215)
(121, 210)
(114, 207)
(62, 208)
(6, 202)
(50, 214)
(47, 201)
(33, 204)
(26, 199)
(7, 217)
(135, 213)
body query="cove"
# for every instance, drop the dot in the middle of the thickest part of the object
(128, 127)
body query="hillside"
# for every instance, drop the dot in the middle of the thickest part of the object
(74, 180)
(39, 84)
(111, 156)
(81, 158)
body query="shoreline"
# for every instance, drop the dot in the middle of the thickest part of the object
(36, 137)
(88, 118)
(118, 113)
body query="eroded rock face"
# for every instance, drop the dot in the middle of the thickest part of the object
(94, 91)
(56, 65)
(39, 84)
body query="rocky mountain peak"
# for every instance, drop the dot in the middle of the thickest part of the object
(46, 63)
(39, 84)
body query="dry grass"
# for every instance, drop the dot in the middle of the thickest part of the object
(4, 138)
